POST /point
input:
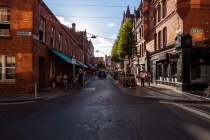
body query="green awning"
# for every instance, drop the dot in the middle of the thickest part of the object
(81, 64)
(61, 55)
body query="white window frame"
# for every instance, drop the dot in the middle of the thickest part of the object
(5, 32)
(4, 67)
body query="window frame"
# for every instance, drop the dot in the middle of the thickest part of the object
(5, 24)
(52, 37)
(42, 29)
(4, 67)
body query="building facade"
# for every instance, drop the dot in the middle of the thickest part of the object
(34, 47)
(173, 41)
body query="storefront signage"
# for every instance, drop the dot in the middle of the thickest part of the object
(23, 33)
(196, 30)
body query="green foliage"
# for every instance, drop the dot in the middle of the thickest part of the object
(125, 42)
(100, 63)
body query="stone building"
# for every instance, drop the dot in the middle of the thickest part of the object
(34, 47)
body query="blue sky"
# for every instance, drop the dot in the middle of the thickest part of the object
(107, 15)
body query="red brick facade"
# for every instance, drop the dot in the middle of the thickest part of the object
(34, 63)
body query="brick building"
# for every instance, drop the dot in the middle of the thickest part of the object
(34, 47)
(173, 41)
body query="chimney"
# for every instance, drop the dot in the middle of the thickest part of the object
(73, 26)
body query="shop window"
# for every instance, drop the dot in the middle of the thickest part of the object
(173, 72)
(7, 68)
(52, 40)
(159, 72)
(4, 21)
(42, 29)
(166, 71)
(200, 73)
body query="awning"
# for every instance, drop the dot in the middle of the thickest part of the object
(82, 64)
(91, 66)
(61, 55)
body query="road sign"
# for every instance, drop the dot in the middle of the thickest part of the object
(73, 61)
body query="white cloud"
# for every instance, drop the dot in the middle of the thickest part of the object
(111, 24)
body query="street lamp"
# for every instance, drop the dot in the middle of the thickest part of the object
(84, 44)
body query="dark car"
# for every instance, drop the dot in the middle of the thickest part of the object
(102, 73)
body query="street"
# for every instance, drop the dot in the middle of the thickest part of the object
(101, 111)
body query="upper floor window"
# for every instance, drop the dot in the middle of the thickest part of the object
(66, 46)
(159, 13)
(164, 8)
(159, 40)
(155, 42)
(42, 29)
(155, 17)
(164, 37)
(60, 42)
(7, 68)
(4, 21)
(52, 40)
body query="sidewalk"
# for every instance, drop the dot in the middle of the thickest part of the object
(154, 91)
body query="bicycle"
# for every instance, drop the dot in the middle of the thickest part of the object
(207, 91)
(70, 84)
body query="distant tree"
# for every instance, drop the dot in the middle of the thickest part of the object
(100, 63)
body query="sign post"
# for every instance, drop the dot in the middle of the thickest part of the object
(126, 62)
(73, 62)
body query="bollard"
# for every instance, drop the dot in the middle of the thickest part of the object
(35, 90)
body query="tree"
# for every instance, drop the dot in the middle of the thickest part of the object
(127, 40)
(100, 63)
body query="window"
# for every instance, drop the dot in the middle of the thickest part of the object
(155, 42)
(164, 8)
(42, 29)
(7, 68)
(155, 17)
(159, 13)
(159, 40)
(164, 37)
(66, 46)
(60, 42)
(52, 41)
(4, 21)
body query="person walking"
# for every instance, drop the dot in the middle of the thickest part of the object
(149, 75)
(80, 78)
(143, 75)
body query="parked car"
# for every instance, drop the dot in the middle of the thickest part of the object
(102, 73)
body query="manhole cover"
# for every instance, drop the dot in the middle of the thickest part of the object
(20, 113)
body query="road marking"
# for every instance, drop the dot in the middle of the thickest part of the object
(88, 88)
(195, 111)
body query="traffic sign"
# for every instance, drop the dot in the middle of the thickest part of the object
(73, 61)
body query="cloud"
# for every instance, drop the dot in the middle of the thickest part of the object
(111, 24)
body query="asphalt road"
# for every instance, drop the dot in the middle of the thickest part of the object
(100, 111)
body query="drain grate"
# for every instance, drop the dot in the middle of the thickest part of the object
(20, 113)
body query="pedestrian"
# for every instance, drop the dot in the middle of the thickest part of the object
(80, 77)
(143, 75)
(149, 75)
(65, 79)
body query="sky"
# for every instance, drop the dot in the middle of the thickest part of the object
(98, 17)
